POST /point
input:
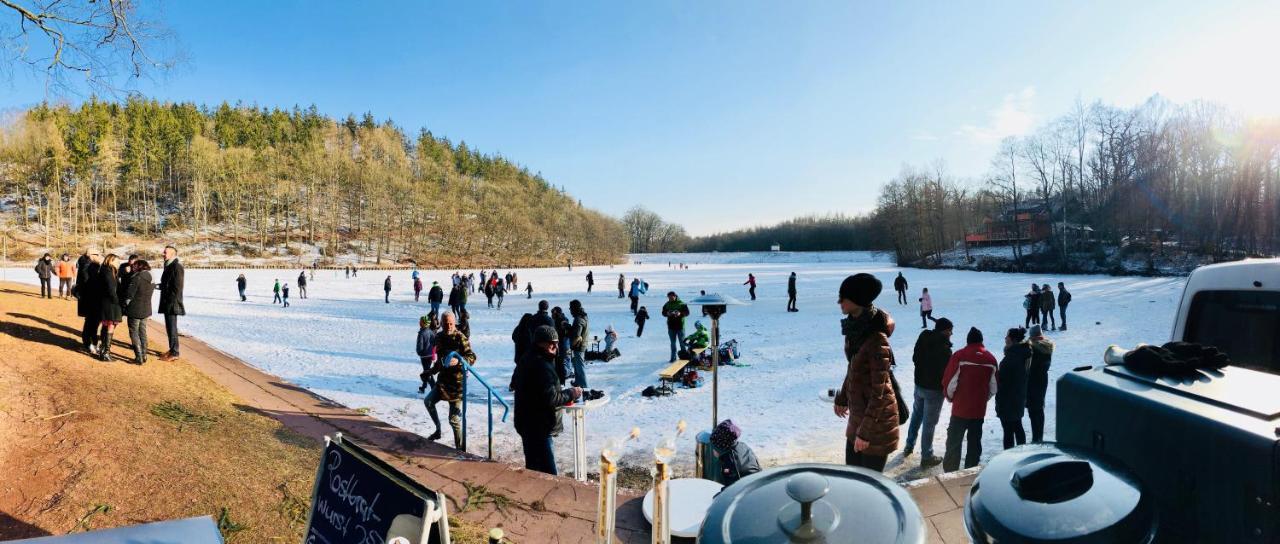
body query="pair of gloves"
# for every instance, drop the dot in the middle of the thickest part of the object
(1175, 359)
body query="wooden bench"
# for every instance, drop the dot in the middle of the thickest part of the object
(667, 376)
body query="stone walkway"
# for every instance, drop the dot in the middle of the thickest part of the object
(941, 500)
(536, 507)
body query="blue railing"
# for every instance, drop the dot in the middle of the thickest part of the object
(505, 407)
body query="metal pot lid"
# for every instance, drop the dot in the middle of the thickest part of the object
(814, 503)
(1050, 493)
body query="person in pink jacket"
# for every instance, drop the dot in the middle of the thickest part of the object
(926, 309)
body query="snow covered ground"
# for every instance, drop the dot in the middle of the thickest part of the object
(346, 344)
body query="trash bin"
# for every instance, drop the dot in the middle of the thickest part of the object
(813, 503)
(1052, 493)
(707, 458)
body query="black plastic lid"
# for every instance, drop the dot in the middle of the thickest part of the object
(813, 503)
(1050, 493)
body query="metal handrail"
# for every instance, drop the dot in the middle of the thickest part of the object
(505, 407)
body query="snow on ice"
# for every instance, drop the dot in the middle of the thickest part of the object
(343, 342)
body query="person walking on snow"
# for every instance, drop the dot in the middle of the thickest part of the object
(450, 377)
(44, 271)
(241, 284)
(634, 295)
(968, 382)
(900, 285)
(538, 399)
(1032, 304)
(435, 297)
(641, 317)
(1038, 381)
(926, 309)
(866, 396)
(275, 290)
(528, 290)
(1011, 392)
(426, 350)
(386, 290)
(675, 311)
(622, 286)
(751, 283)
(932, 351)
(302, 284)
(417, 289)
(591, 280)
(791, 293)
(499, 291)
(1064, 298)
(1047, 306)
(285, 295)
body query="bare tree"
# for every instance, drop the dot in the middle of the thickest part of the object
(1004, 184)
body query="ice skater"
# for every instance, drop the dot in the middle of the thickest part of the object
(900, 285)
(591, 281)
(751, 283)
(241, 284)
(791, 293)
(285, 295)
(926, 309)
(386, 290)
(641, 316)
(529, 290)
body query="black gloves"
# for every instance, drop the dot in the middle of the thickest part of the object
(1175, 359)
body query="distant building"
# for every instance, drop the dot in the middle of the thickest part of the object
(1027, 223)
(775, 247)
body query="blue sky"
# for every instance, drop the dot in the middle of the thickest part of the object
(718, 115)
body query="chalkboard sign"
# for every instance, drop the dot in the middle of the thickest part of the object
(359, 499)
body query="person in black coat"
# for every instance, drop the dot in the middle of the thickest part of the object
(1011, 386)
(1038, 380)
(44, 270)
(171, 285)
(791, 293)
(386, 290)
(1064, 298)
(642, 315)
(109, 311)
(137, 308)
(88, 304)
(302, 284)
(900, 285)
(241, 284)
(538, 398)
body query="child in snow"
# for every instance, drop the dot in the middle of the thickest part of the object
(285, 290)
(610, 338)
(700, 338)
(737, 461)
(926, 309)
(641, 316)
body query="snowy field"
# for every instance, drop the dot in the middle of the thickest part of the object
(346, 344)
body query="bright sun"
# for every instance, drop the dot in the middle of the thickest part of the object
(1236, 65)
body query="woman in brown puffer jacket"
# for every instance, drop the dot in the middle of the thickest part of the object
(867, 396)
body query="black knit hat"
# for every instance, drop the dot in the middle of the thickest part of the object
(974, 337)
(942, 324)
(861, 288)
(545, 333)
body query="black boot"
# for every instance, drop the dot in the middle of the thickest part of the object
(104, 351)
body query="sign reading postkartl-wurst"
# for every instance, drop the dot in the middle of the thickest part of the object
(359, 499)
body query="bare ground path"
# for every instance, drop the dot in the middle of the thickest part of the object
(91, 444)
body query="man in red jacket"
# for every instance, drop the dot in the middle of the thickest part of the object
(968, 382)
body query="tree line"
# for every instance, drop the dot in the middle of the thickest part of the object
(265, 180)
(1158, 176)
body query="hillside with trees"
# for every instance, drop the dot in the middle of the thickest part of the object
(263, 182)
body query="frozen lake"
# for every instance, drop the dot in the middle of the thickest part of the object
(346, 344)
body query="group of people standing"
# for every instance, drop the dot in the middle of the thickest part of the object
(1039, 303)
(109, 291)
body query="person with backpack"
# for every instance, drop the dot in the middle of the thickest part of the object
(900, 285)
(926, 309)
(641, 316)
(1031, 303)
(275, 291)
(435, 297)
(737, 461)
(1011, 392)
(241, 285)
(302, 284)
(1064, 298)
(386, 290)
(675, 311)
(791, 293)
(137, 308)
(1038, 381)
(751, 283)
(538, 399)
(968, 383)
(932, 351)
(867, 395)
(578, 342)
(44, 271)
(426, 350)
(1047, 306)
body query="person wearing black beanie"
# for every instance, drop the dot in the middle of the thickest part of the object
(974, 336)
(968, 382)
(868, 396)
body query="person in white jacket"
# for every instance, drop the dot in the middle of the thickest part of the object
(926, 309)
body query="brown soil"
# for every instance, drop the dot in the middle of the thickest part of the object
(87, 444)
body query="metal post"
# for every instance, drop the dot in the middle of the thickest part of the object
(580, 443)
(661, 507)
(608, 493)
(715, 371)
(490, 424)
(464, 409)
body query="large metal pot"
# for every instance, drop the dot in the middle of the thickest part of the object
(813, 503)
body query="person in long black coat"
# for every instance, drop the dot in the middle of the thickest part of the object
(171, 284)
(1011, 386)
(110, 313)
(137, 307)
(538, 397)
(87, 304)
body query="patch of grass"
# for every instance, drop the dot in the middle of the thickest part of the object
(363, 410)
(226, 526)
(634, 477)
(478, 495)
(292, 508)
(177, 413)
